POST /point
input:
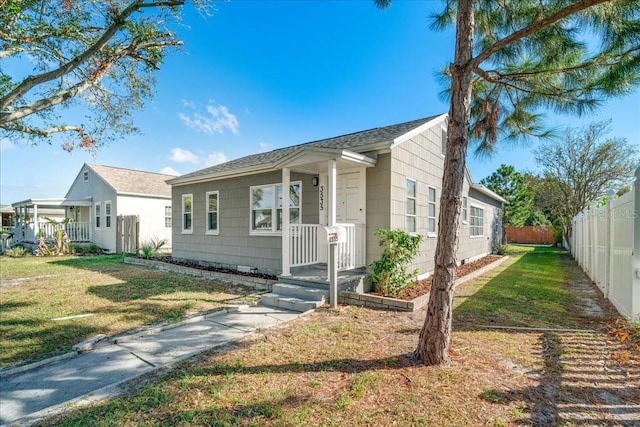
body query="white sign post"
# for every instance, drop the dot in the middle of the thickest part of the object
(335, 235)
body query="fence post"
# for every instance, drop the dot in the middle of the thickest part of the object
(608, 278)
(635, 273)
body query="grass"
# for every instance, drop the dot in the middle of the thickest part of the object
(353, 366)
(38, 293)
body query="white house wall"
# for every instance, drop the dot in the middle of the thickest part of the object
(152, 216)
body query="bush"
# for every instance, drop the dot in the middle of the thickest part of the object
(389, 273)
(151, 247)
(92, 249)
(498, 248)
(16, 252)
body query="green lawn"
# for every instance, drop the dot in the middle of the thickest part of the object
(353, 366)
(41, 295)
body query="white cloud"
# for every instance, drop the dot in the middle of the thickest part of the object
(188, 104)
(6, 145)
(179, 155)
(168, 170)
(217, 120)
(264, 147)
(215, 159)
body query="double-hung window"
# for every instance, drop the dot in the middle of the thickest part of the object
(167, 216)
(477, 222)
(98, 214)
(107, 214)
(187, 213)
(267, 204)
(212, 212)
(431, 212)
(411, 205)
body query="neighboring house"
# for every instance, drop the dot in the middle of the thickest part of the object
(390, 177)
(8, 216)
(97, 197)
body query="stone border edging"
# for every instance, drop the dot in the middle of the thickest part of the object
(388, 303)
(255, 282)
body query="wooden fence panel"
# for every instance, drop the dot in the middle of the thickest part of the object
(530, 234)
(127, 233)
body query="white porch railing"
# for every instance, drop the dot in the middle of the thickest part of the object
(308, 245)
(77, 231)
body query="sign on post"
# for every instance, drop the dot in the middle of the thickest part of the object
(336, 234)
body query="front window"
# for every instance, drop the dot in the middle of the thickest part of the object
(431, 212)
(477, 221)
(107, 214)
(411, 206)
(267, 204)
(212, 212)
(167, 216)
(98, 215)
(187, 213)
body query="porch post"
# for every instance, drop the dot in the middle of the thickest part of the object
(36, 227)
(286, 184)
(332, 262)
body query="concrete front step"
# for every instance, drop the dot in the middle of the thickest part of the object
(289, 302)
(302, 292)
(352, 283)
(295, 297)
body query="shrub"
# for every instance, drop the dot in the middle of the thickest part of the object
(16, 252)
(151, 247)
(498, 248)
(389, 273)
(92, 249)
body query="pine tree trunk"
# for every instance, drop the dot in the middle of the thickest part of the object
(433, 345)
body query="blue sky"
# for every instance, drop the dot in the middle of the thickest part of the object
(259, 75)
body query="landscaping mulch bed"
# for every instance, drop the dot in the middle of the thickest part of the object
(170, 260)
(422, 287)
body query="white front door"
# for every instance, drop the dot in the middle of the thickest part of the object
(350, 197)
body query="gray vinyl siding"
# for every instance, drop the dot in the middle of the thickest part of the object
(420, 159)
(378, 204)
(471, 248)
(234, 245)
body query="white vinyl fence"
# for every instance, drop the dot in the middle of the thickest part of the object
(606, 244)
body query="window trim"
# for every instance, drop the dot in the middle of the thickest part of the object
(274, 231)
(472, 226)
(433, 202)
(97, 215)
(107, 214)
(465, 210)
(182, 216)
(415, 205)
(212, 231)
(443, 142)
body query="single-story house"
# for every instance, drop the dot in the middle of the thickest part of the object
(97, 198)
(389, 177)
(8, 216)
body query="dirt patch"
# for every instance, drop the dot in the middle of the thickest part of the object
(422, 287)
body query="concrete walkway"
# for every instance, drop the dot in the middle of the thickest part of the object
(28, 395)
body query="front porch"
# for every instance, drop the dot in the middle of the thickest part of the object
(36, 218)
(341, 183)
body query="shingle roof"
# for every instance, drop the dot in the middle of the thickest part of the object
(350, 141)
(134, 181)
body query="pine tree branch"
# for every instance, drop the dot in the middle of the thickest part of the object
(533, 28)
(34, 80)
(80, 87)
